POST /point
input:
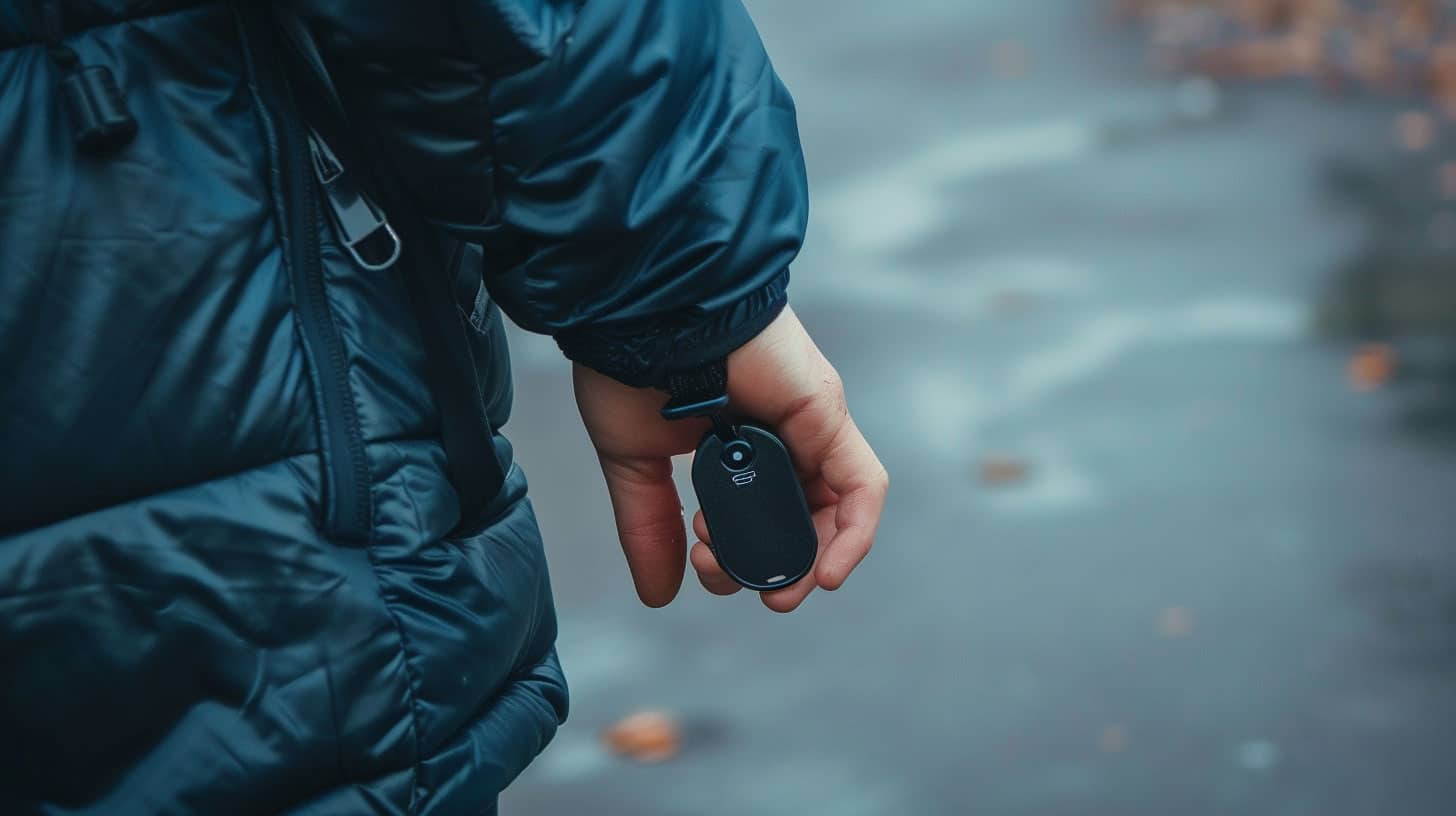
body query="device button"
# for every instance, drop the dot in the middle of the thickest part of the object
(737, 455)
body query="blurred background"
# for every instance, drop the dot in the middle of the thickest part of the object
(1150, 309)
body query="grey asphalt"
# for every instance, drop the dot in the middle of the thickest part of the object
(1226, 583)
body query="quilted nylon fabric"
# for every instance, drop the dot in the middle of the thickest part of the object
(640, 190)
(194, 378)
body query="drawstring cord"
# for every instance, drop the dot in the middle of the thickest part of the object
(51, 31)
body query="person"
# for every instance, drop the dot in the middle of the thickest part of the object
(238, 573)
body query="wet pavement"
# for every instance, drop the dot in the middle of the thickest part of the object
(1225, 581)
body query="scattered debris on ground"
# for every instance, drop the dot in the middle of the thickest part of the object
(1176, 622)
(1113, 739)
(1012, 303)
(1398, 46)
(1400, 57)
(1000, 469)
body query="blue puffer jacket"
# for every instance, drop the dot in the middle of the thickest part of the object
(234, 576)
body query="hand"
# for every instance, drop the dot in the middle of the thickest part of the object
(779, 378)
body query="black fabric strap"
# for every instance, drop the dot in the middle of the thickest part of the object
(473, 467)
(707, 382)
(703, 391)
(465, 429)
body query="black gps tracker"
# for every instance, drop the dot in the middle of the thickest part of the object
(759, 525)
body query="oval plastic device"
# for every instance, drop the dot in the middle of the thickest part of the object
(761, 530)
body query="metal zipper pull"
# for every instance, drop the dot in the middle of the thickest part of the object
(362, 227)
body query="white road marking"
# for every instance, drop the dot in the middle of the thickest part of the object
(965, 292)
(956, 402)
(899, 204)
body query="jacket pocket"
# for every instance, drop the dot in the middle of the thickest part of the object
(489, 348)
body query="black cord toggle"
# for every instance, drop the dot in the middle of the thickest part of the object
(104, 125)
(94, 100)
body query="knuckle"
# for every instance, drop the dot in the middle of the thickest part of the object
(832, 380)
(658, 529)
(638, 472)
(781, 607)
(834, 393)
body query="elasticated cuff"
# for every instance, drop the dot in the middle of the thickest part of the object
(642, 355)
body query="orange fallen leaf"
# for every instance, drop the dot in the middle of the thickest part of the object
(1001, 470)
(1012, 302)
(1415, 130)
(1443, 230)
(1446, 179)
(1176, 622)
(1113, 739)
(647, 736)
(1009, 59)
(1371, 366)
(1441, 76)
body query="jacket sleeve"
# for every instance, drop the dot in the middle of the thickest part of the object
(649, 186)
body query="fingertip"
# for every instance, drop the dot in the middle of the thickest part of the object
(658, 597)
(703, 560)
(830, 578)
(780, 603)
(709, 573)
(722, 588)
(790, 597)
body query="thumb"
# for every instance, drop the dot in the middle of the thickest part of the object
(650, 523)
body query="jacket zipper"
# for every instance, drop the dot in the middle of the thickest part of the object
(347, 506)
